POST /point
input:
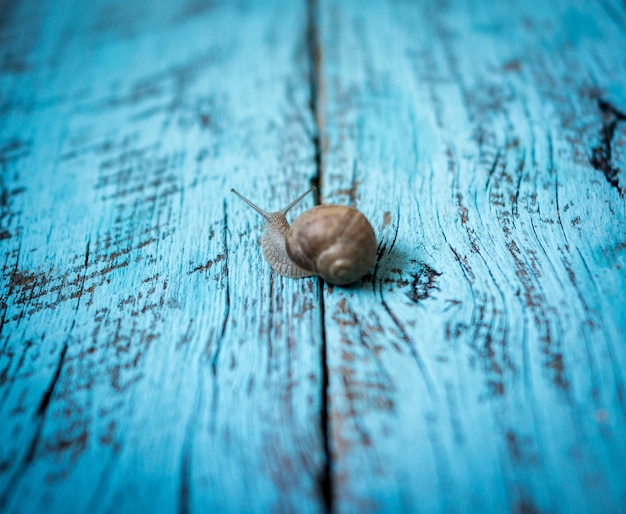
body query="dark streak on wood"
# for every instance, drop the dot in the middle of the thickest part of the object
(316, 94)
(40, 416)
(225, 276)
(45, 400)
(601, 155)
(316, 98)
(424, 281)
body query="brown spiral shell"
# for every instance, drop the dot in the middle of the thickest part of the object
(336, 242)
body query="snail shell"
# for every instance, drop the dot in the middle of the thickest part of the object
(336, 242)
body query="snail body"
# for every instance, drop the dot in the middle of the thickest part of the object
(335, 242)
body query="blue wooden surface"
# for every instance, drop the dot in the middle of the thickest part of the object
(482, 369)
(150, 361)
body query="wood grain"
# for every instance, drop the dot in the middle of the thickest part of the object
(480, 367)
(150, 362)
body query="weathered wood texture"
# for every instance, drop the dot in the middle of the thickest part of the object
(143, 369)
(482, 367)
(152, 362)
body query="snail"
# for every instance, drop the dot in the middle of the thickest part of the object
(335, 242)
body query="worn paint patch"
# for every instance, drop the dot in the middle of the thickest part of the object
(602, 155)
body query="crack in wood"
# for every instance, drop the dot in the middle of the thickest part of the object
(214, 359)
(424, 281)
(40, 417)
(313, 44)
(602, 154)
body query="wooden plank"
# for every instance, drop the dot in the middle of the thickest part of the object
(150, 362)
(480, 368)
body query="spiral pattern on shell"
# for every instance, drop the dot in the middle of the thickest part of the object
(336, 242)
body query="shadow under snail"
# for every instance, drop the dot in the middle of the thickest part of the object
(335, 242)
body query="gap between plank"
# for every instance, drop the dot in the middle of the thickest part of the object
(315, 78)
